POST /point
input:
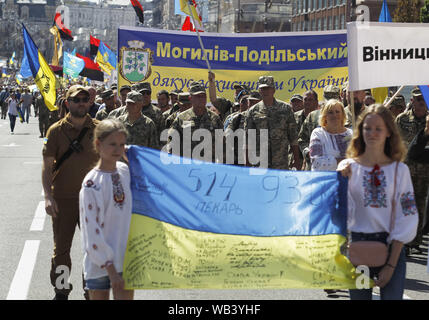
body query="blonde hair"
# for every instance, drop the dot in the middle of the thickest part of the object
(394, 147)
(107, 127)
(328, 107)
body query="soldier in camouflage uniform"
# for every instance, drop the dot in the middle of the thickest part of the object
(116, 113)
(149, 110)
(235, 122)
(197, 117)
(277, 117)
(410, 123)
(397, 106)
(43, 113)
(109, 105)
(141, 129)
(184, 103)
(224, 106)
(296, 102)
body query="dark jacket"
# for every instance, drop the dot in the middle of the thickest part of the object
(418, 149)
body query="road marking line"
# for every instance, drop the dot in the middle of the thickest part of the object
(376, 296)
(39, 218)
(21, 281)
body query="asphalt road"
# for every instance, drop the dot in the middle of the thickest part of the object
(26, 237)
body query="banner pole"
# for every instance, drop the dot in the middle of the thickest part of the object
(394, 96)
(199, 38)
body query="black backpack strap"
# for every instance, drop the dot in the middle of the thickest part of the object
(70, 150)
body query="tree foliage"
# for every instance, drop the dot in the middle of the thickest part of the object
(407, 11)
(424, 12)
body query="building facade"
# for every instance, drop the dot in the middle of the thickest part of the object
(243, 16)
(323, 15)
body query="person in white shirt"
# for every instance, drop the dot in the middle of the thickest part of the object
(105, 203)
(12, 103)
(328, 143)
(374, 153)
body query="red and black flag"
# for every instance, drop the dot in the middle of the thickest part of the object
(65, 33)
(139, 10)
(93, 45)
(91, 70)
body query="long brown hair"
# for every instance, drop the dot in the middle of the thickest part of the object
(394, 147)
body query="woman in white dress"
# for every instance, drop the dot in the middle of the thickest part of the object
(375, 171)
(328, 143)
(105, 203)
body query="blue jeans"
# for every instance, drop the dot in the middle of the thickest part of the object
(102, 283)
(12, 120)
(394, 290)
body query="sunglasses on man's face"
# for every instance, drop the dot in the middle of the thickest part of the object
(148, 93)
(78, 100)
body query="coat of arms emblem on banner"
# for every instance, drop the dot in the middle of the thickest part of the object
(135, 61)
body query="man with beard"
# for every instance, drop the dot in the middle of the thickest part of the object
(68, 155)
(359, 106)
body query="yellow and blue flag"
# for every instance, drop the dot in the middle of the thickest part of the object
(214, 226)
(106, 58)
(12, 59)
(4, 73)
(43, 76)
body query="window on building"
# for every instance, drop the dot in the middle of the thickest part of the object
(343, 23)
(319, 24)
(336, 25)
(329, 24)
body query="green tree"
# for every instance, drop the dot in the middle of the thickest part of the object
(424, 12)
(407, 11)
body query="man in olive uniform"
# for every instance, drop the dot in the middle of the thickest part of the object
(184, 103)
(141, 129)
(310, 104)
(397, 106)
(410, 123)
(149, 110)
(43, 113)
(276, 117)
(197, 117)
(109, 105)
(68, 155)
(236, 121)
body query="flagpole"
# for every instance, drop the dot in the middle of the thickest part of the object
(199, 38)
(394, 96)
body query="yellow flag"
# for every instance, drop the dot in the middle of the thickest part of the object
(190, 8)
(380, 94)
(58, 47)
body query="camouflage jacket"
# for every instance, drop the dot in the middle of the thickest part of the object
(409, 125)
(142, 132)
(117, 112)
(308, 125)
(282, 130)
(188, 120)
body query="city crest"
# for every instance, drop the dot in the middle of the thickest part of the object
(135, 62)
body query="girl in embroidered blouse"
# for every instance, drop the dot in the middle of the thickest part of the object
(328, 143)
(373, 153)
(105, 214)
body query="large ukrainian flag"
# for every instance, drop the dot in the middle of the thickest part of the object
(218, 226)
(43, 76)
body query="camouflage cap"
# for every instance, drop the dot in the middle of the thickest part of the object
(331, 92)
(254, 95)
(74, 90)
(196, 88)
(184, 97)
(107, 94)
(176, 92)
(399, 101)
(296, 97)
(145, 86)
(266, 81)
(134, 96)
(125, 87)
(416, 92)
